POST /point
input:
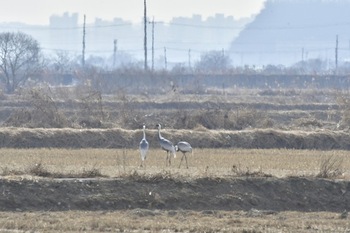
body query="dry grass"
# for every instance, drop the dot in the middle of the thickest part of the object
(140, 220)
(203, 163)
(239, 108)
(331, 167)
(199, 138)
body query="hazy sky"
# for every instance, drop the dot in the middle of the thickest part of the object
(39, 11)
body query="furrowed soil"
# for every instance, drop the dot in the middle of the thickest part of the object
(135, 204)
(141, 203)
(240, 193)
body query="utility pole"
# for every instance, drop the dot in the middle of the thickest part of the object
(83, 55)
(336, 53)
(165, 59)
(153, 44)
(145, 33)
(115, 51)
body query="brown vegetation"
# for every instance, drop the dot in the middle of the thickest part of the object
(144, 220)
(222, 191)
(258, 155)
(200, 138)
(83, 117)
(74, 163)
(82, 107)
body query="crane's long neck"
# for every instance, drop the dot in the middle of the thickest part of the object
(159, 136)
(144, 133)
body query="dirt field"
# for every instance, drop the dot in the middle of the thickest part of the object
(255, 168)
(243, 193)
(240, 204)
(266, 191)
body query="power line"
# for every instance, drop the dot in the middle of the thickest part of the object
(83, 54)
(199, 26)
(145, 32)
(185, 51)
(114, 51)
(49, 28)
(165, 59)
(153, 44)
(269, 27)
(336, 52)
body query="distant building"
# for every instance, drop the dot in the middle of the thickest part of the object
(65, 34)
(184, 38)
(64, 21)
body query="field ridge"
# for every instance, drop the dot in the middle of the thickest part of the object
(236, 193)
(122, 138)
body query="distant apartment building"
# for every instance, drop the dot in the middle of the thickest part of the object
(180, 41)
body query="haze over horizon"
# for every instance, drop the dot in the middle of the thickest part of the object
(132, 11)
(254, 32)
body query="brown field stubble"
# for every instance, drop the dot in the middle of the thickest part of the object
(202, 163)
(139, 220)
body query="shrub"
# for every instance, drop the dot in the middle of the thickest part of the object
(344, 105)
(41, 112)
(39, 170)
(330, 167)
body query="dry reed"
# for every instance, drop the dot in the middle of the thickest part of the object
(203, 162)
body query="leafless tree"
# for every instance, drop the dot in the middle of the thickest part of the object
(63, 62)
(213, 62)
(19, 59)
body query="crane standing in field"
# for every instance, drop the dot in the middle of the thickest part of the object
(167, 146)
(184, 147)
(144, 146)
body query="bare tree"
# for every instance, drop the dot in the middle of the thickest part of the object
(19, 58)
(63, 62)
(213, 62)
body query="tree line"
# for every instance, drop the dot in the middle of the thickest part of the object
(22, 62)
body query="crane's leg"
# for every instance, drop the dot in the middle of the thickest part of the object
(169, 158)
(181, 160)
(166, 159)
(143, 164)
(186, 160)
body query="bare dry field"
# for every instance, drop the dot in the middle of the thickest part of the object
(274, 160)
(224, 190)
(143, 220)
(202, 163)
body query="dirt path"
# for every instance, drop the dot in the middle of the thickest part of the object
(246, 193)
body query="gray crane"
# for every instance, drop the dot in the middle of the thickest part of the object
(144, 146)
(184, 147)
(167, 146)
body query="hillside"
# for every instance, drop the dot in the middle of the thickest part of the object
(285, 32)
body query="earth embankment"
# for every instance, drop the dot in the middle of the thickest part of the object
(237, 193)
(120, 138)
